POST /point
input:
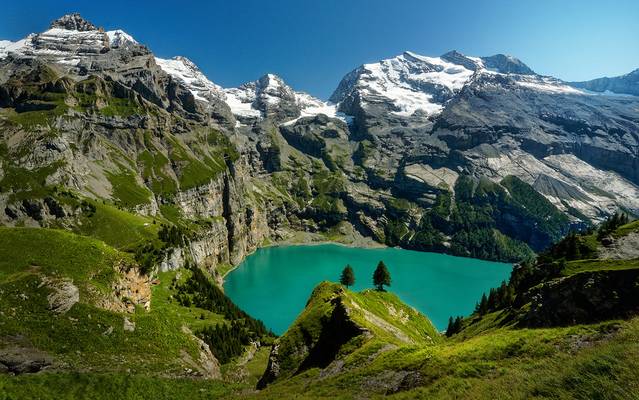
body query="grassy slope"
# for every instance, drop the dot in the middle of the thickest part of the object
(626, 229)
(108, 386)
(574, 267)
(392, 310)
(575, 362)
(78, 337)
(487, 360)
(127, 191)
(383, 305)
(54, 252)
(118, 228)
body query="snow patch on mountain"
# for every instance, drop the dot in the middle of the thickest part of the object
(185, 71)
(64, 42)
(7, 47)
(311, 106)
(59, 45)
(453, 76)
(546, 84)
(240, 100)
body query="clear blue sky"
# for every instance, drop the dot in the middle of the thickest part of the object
(312, 44)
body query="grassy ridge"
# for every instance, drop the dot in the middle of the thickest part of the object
(577, 266)
(371, 320)
(116, 227)
(54, 252)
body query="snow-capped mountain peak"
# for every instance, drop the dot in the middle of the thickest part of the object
(67, 41)
(506, 64)
(119, 38)
(408, 83)
(271, 97)
(415, 85)
(271, 89)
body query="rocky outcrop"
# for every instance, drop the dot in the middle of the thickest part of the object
(622, 248)
(64, 294)
(128, 325)
(316, 348)
(584, 298)
(237, 228)
(18, 357)
(131, 289)
(173, 259)
(73, 22)
(389, 381)
(246, 221)
(422, 183)
(41, 210)
(506, 65)
(312, 135)
(207, 366)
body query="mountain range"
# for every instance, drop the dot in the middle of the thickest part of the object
(415, 130)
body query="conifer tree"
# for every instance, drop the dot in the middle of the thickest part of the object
(381, 276)
(348, 276)
(458, 324)
(450, 328)
(454, 326)
(492, 299)
(483, 304)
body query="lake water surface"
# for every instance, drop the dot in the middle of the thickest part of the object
(274, 283)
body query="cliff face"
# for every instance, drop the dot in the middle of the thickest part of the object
(238, 227)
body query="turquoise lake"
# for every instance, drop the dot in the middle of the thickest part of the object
(274, 283)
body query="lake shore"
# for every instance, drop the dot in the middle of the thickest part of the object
(347, 238)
